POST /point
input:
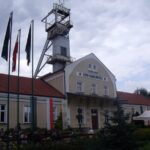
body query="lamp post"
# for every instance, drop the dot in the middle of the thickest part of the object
(79, 117)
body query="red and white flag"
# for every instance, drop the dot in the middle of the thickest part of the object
(15, 55)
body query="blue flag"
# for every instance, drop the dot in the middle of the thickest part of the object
(4, 53)
(28, 46)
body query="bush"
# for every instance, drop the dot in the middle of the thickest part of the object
(146, 147)
(78, 144)
(58, 123)
(118, 135)
(142, 134)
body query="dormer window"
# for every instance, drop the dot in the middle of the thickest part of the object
(92, 67)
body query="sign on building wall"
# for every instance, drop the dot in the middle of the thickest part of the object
(87, 75)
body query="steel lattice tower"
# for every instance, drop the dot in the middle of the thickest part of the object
(57, 25)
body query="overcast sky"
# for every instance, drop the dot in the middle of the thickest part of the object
(116, 31)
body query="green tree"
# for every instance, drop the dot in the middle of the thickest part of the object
(58, 123)
(142, 91)
(118, 133)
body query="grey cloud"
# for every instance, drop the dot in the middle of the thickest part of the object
(117, 31)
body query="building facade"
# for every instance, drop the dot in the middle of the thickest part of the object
(133, 104)
(46, 99)
(90, 91)
(88, 85)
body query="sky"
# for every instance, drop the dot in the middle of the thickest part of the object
(116, 31)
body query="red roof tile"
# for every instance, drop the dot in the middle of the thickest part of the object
(132, 98)
(41, 88)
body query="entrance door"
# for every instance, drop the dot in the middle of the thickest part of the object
(94, 115)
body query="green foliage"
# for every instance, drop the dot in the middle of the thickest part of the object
(146, 147)
(58, 123)
(142, 134)
(78, 144)
(118, 135)
(37, 146)
(142, 91)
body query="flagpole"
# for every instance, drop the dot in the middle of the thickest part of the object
(32, 23)
(33, 99)
(18, 97)
(8, 100)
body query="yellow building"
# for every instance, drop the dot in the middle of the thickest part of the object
(43, 95)
(90, 91)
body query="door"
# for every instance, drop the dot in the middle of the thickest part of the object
(94, 115)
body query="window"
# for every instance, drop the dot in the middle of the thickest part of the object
(105, 78)
(93, 89)
(79, 74)
(106, 91)
(63, 51)
(92, 67)
(55, 113)
(27, 114)
(2, 113)
(79, 86)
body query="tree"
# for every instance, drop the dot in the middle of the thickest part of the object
(58, 123)
(118, 133)
(142, 91)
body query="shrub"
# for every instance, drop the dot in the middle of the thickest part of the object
(142, 134)
(146, 147)
(58, 123)
(118, 135)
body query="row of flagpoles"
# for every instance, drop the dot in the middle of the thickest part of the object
(6, 54)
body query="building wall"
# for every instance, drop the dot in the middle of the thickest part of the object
(24, 101)
(61, 41)
(41, 115)
(132, 109)
(89, 70)
(80, 71)
(100, 106)
(83, 68)
(57, 82)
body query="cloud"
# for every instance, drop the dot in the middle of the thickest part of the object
(116, 31)
(119, 36)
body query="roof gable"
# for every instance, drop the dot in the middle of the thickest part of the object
(91, 55)
(70, 68)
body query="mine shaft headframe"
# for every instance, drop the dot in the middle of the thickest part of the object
(58, 16)
(61, 2)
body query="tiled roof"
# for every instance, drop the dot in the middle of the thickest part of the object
(41, 88)
(132, 98)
